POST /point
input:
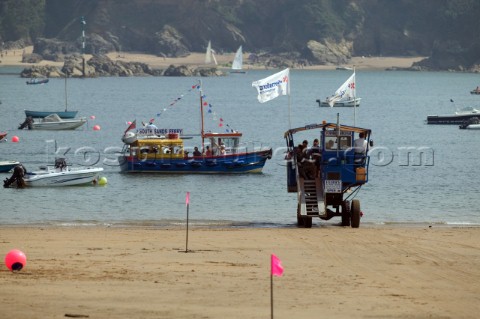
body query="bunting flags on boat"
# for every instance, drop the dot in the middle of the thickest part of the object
(209, 109)
(273, 86)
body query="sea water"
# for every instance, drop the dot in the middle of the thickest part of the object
(418, 173)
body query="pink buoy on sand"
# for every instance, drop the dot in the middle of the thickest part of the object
(96, 128)
(15, 260)
(15, 139)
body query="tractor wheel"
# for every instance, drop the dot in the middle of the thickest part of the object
(346, 213)
(299, 217)
(355, 211)
(307, 222)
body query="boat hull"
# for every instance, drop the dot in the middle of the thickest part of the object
(450, 119)
(37, 81)
(252, 162)
(348, 103)
(42, 114)
(6, 166)
(58, 126)
(63, 178)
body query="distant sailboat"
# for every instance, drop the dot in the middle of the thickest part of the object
(344, 95)
(237, 63)
(209, 55)
(62, 114)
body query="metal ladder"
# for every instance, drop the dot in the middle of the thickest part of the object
(311, 197)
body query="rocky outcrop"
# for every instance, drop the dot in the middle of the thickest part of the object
(102, 65)
(328, 52)
(184, 70)
(168, 43)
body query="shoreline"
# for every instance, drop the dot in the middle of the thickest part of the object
(227, 225)
(385, 272)
(14, 58)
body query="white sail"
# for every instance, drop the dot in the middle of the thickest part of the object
(344, 92)
(209, 55)
(238, 60)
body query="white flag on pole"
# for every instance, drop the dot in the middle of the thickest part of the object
(273, 86)
(346, 91)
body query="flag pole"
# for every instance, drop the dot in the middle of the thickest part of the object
(289, 108)
(354, 97)
(271, 295)
(187, 200)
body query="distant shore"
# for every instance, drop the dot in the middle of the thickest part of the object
(14, 58)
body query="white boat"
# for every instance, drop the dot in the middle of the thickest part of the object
(210, 54)
(343, 96)
(53, 122)
(62, 176)
(237, 63)
(472, 123)
(341, 103)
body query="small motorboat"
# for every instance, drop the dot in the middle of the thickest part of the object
(60, 174)
(2, 136)
(53, 122)
(37, 81)
(7, 166)
(471, 124)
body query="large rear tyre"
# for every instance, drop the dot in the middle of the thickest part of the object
(346, 213)
(299, 217)
(355, 212)
(307, 222)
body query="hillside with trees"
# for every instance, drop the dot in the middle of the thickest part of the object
(312, 31)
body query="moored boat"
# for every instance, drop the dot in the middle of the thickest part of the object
(471, 124)
(6, 166)
(459, 117)
(37, 81)
(341, 103)
(52, 123)
(475, 90)
(42, 114)
(344, 96)
(60, 174)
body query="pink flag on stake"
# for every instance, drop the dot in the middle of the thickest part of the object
(187, 199)
(276, 266)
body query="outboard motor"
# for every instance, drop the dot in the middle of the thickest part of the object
(19, 172)
(27, 123)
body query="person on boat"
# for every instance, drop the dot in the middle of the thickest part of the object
(360, 144)
(208, 152)
(360, 147)
(196, 152)
(151, 127)
(222, 150)
(316, 154)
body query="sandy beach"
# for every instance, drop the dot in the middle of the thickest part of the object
(14, 58)
(330, 272)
